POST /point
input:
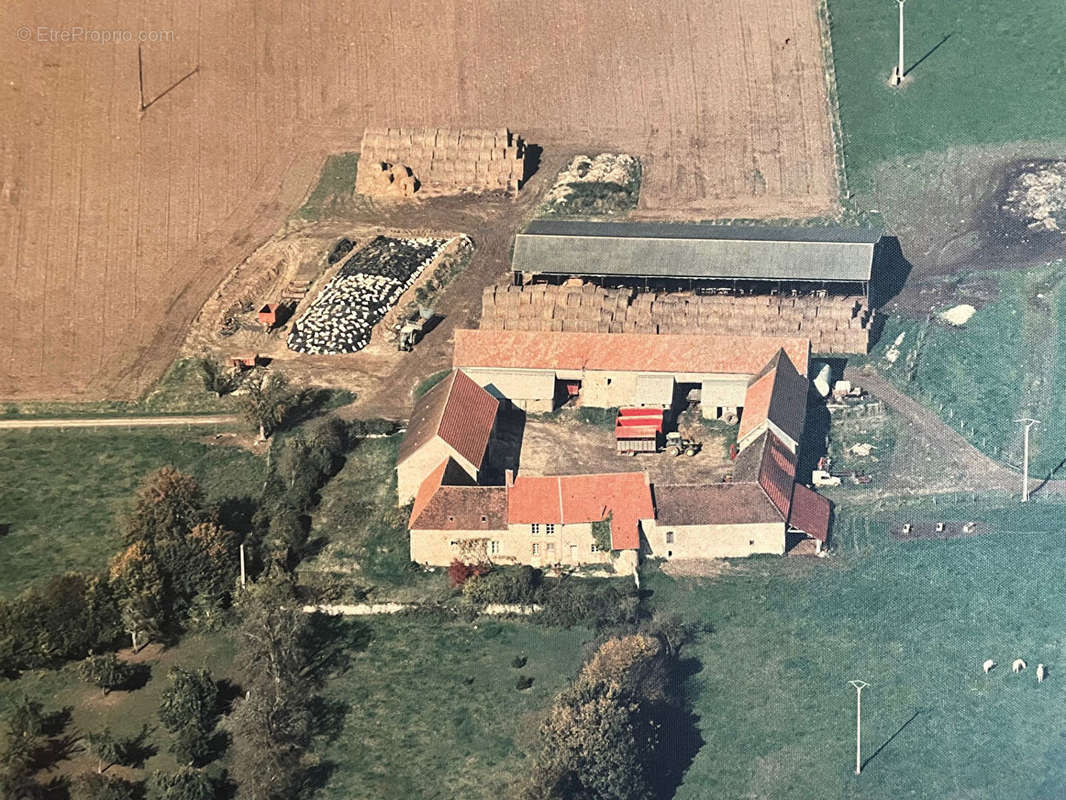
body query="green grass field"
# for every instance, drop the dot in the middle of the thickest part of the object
(179, 391)
(915, 620)
(994, 79)
(434, 712)
(1007, 362)
(62, 490)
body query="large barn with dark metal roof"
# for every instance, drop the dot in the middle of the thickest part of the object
(668, 252)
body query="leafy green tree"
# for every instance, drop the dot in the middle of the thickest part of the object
(211, 565)
(62, 619)
(106, 671)
(191, 698)
(185, 784)
(604, 735)
(139, 584)
(266, 400)
(167, 505)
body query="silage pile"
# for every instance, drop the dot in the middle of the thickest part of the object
(1037, 197)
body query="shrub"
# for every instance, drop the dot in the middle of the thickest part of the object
(106, 671)
(190, 699)
(518, 662)
(574, 601)
(93, 786)
(192, 746)
(523, 683)
(460, 572)
(185, 784)
(505, 585)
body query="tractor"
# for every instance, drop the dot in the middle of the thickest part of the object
(676, 444)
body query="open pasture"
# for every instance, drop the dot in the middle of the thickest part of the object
(916, 620)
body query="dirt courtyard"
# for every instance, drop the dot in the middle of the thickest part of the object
(566, 446)
(118, 222)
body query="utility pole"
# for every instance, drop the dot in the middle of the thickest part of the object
(1025, 456)
(859, 686)
(243, 576)
(897, 73)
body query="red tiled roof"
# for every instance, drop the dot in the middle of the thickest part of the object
(713, 504)
(463, 508)
(778, 473)
(458, 411)
(643, 352)
(810, 513)
(756, 404)
(447, 473)
(563, 499)
(778, 394)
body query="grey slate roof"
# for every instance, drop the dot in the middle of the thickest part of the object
(681, 250)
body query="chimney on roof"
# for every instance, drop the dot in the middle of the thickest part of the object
(508, 478)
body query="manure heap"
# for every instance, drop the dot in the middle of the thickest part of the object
(342, 316)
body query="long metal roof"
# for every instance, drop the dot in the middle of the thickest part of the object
(682, 250)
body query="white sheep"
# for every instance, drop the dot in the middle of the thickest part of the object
(988, 666)
(1018, 665)
(1041, 673)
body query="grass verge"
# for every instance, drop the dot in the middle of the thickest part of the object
(335, 186)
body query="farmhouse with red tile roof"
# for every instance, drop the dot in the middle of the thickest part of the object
(549, 520)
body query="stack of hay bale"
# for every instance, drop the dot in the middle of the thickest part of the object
(834, 324)
(439, 161)
(342, 317)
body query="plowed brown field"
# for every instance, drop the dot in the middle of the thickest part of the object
(115, 225)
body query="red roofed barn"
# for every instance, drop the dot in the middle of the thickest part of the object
(453, 420)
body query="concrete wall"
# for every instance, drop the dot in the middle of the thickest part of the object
(531, 389)
(436, 549)
(411, 472)
(757, 431)
(722, 390)
(715, 541)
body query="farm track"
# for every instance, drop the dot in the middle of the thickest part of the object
(120, 422)
(116, 225)
(968, 468)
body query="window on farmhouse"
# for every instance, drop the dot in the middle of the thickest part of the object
(494, 548)
(536, 549)
(549, 529)
(669, 537)
(484, 518)
(550, 548)
(595, 548)
(534, 528)
(452, 544)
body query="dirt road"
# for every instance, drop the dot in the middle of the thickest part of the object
(119, 422)
(957, 463)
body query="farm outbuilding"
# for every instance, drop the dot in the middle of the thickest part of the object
(452, 422)
(776, 400)
(534, 369)
(654, 253)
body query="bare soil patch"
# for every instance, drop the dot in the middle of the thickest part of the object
(118, 224)
(566, 446)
